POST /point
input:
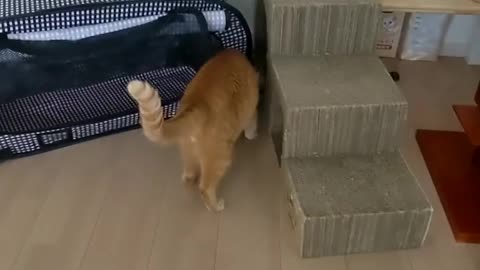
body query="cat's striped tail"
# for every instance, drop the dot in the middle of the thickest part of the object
(155, 128)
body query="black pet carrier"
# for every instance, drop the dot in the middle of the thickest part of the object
(65, 64)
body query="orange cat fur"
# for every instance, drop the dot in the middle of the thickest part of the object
(219, 104)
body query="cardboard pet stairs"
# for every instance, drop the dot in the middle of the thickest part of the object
(337, 121)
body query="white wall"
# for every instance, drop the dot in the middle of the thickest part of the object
(473, 53)
(458, 36)
(463, 38)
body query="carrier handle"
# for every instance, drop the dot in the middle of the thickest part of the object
(102, 44)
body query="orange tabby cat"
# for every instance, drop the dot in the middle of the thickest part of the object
(219, 104)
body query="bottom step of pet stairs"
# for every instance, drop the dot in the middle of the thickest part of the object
(346, 205)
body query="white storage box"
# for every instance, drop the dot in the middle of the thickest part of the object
(424, 35)
(389, 36)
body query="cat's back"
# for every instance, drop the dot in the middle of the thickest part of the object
(225, 92)
(228, 60)
(226, 71)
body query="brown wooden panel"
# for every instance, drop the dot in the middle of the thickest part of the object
(448, 156)
(477, 95)
(469, 117)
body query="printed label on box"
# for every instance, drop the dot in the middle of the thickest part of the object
(389, 36)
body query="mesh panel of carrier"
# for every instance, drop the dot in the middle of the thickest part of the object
(65, 64)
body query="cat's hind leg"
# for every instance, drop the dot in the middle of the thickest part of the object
(214, 166)
(251, 131)
(191, 163)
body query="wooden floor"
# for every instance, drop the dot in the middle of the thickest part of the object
(117, 203)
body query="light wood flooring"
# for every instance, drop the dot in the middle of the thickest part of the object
(117, 203)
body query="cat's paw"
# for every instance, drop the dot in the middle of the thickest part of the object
(251, 134)
(219, 207)
(189, 179)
